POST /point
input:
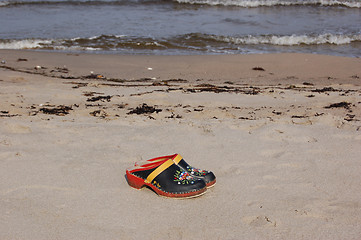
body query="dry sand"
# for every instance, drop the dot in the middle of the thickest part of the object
(282, 133)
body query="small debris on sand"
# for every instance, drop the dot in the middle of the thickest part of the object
(60, 110)
(99, 98)
(258, 69)
(345, 105)
(144, 109)
(22, 60)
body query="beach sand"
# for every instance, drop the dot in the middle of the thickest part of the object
(281, 132)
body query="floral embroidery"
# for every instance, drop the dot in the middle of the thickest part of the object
(196, 171)
(182, 177)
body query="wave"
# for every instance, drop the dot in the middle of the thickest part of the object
(291, 40)
(237, 3)
(46, 44)
(23, 44)
(271, 3)
(94, 43)
(195, 42)
(9, 3)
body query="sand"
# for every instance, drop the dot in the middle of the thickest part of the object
(281, 132)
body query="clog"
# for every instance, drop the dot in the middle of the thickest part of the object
(166, 178)
(207, 176)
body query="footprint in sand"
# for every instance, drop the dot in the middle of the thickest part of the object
(5, 142)
(8, 156)
(17, 128)
(272, 153)
(227, 170)
(287, 136)
(330, 120)
(351, 205)
(302, 139)
(301, 121)
(17, 79)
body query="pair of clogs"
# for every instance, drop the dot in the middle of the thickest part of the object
(170, 176)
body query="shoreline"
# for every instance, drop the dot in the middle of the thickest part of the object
(281, 132)
(308, 79)
(295, 67)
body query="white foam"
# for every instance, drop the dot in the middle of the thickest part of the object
(291, 40)
(4, 3)
(91, 38)
(41, 44)
(75, 39)
(76, 48)
(269, 3)
(351, 4)
(24, 44)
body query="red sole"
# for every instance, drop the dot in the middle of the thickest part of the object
(211, 184)
(138, 183)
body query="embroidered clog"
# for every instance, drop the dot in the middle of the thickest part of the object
(166, 178)
(207, 176)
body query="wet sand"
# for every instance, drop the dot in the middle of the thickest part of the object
(281, 132)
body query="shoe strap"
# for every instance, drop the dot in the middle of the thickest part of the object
(162, 167)
(177, 159)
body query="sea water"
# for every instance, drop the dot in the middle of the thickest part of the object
(183, 26)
